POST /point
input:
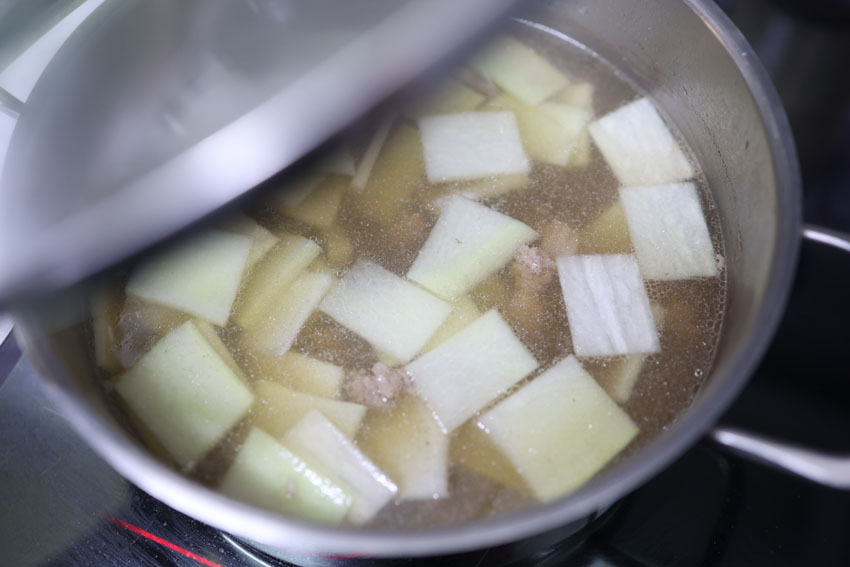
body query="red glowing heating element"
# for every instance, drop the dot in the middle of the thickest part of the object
(163, 542)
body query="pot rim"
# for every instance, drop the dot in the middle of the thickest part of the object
(238, 518)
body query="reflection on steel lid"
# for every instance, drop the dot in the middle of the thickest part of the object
(156, 113)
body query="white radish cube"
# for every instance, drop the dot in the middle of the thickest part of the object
(469, 243)
(296, 189)
(263, 239)
(669, 232)
(472, 448)
(214, 340)
(287, 313)
(469, 145)
(464, 311)
(396, 316)
(493, 186)
(316, 440)
(264, 473)
(559, 429)
(337, 162)
(370, 156)
(609, 233)
(607, 305)
(576, 94)
(638, 146)
(308, 375)
(273, 276)
(621, 376)
(105, 304)
(409, 444)
(199, 276)
(519, 70)
(319, 208)
(580, 154)
(471, 369)
(278, 408)
(449, 96)
(573, 121)
(393, 178)
(550, 132)
(185, 394)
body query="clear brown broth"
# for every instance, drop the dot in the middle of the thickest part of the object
(669, 380)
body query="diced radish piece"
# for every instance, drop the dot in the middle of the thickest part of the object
(320, 207)
(263, 239)
(279, 408)
(474, 190)
(387, 359)
(185, 394)
(367, 162)
(141, 324)
(286, 314)
(576, 94)
(638, 146)
(469, 243)
(337, 246)
(273, 276)
(395, 176)
(337, 162)
(105, 304)
(519, 70)
(316, 440)
(306, 374)
(476, 80)
(607, 305)
(494, 186)
(464, 311)
(469, 145)
(321, 266)
(211, 336)
(573, 121)
(472, 448)
(296, 189)
(200, 275)
(450, 96)
(471, 369)
(669, 232)
(559, 429)
(609, 233)
(550, 131)
(264, 473)
(149, 318)
(621, 375)
(396, 316)
(411, 447)
(580, 156)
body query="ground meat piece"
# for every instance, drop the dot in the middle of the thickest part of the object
(409, 230)
(532, 271)
(530, 263)
(558, 239)
(377, 387)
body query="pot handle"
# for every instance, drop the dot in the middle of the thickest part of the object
(824, 468)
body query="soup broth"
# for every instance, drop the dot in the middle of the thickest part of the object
(357, 217)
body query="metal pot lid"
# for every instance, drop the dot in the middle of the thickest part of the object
(156, 113)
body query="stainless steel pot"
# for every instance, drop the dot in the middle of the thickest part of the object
(703, 74)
